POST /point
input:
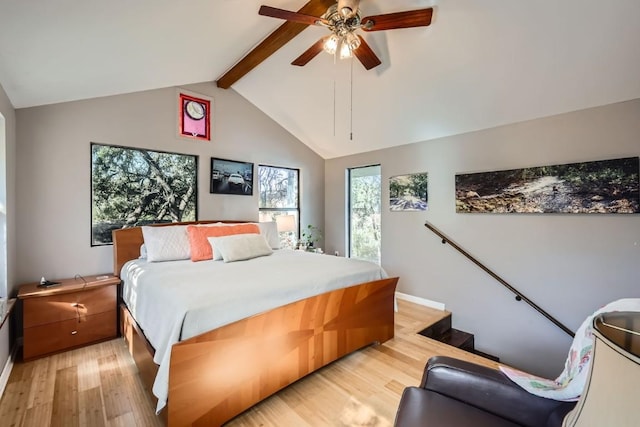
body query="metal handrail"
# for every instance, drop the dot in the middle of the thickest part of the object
(519, 295)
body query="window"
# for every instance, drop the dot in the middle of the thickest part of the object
(364, 212)
(278, 189)
(3, 209)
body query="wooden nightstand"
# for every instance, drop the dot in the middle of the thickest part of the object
(68, 315)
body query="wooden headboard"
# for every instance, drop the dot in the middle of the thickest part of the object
(127, 241)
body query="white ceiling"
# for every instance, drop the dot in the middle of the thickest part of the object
(480, 64)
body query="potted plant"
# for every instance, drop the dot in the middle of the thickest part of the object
(311, 235)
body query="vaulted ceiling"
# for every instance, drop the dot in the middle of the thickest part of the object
(478, 65)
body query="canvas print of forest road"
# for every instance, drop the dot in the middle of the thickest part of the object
(606, 186)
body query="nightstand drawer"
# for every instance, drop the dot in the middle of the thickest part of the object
(52, 337)
(67, 306)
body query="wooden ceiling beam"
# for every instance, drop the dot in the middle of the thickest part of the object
(281, 36)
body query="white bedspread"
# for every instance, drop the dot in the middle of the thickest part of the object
(177, 300)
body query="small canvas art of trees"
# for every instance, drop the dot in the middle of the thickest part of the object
(132, 187)
(408, 192)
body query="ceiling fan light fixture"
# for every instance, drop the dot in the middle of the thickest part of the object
(343, 44)
(345, 51)
(352, 41)
(331, 44)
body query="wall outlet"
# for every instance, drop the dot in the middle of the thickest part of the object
(336, 253)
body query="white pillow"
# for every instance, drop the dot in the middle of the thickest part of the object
(143, 251)
(270, 232)
(217, 256)
(240, 247)
(168, 243)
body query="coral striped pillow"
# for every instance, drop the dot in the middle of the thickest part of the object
(198, 235)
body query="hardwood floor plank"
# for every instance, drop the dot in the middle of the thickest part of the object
(21, 372)
(91, 408)
(123, 420)
(365, 387)
(65, 398)
(268, 412)
(42, 384)
(398, 359)
(395, 386)
(88, 371)
(357, 413)
(66, 360)
(99, 385)
(403, 370)
(330, 397)
(116, 400)
(142, 409)
(321, 392)
(12, 410)
(38, 416)
(88, 375)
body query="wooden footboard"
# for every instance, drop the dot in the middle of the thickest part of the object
(217, 375)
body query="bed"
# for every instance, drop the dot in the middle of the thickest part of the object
(256, 343)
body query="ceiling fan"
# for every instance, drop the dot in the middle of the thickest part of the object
(341, 18)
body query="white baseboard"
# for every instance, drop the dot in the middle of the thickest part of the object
(6, 372)
(421, 301)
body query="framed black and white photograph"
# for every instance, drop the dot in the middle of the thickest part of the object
(408, 193)
(603, 186)
(231, 177)
(133, 186)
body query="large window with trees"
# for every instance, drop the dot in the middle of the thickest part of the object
(365, 192)
(278, 188)
(135, 186)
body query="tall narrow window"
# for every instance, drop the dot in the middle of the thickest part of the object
(365, 201)
(3, 209)
(279, 201)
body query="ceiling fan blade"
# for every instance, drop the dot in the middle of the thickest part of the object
(289, 16)
(391, 21)
(366, 56)
(310, 53)
(281, 36)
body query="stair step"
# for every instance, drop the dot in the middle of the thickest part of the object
(460, 339)
(438, 329)
(486, 355)
(443, 332)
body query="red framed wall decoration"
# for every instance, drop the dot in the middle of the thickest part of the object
(194, 116)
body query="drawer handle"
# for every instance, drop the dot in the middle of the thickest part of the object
(74, 304)
(74, 332)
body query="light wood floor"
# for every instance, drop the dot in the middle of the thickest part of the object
(98, 385)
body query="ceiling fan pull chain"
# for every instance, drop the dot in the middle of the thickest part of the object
(334, 104)
(351, 106)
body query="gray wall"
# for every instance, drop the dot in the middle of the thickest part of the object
(53, 169)
(7, 197)
(568, 264)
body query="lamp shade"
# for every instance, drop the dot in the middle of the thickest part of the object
(286, 223)
(610, 397)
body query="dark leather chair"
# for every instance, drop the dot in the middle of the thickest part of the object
(458, 393)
